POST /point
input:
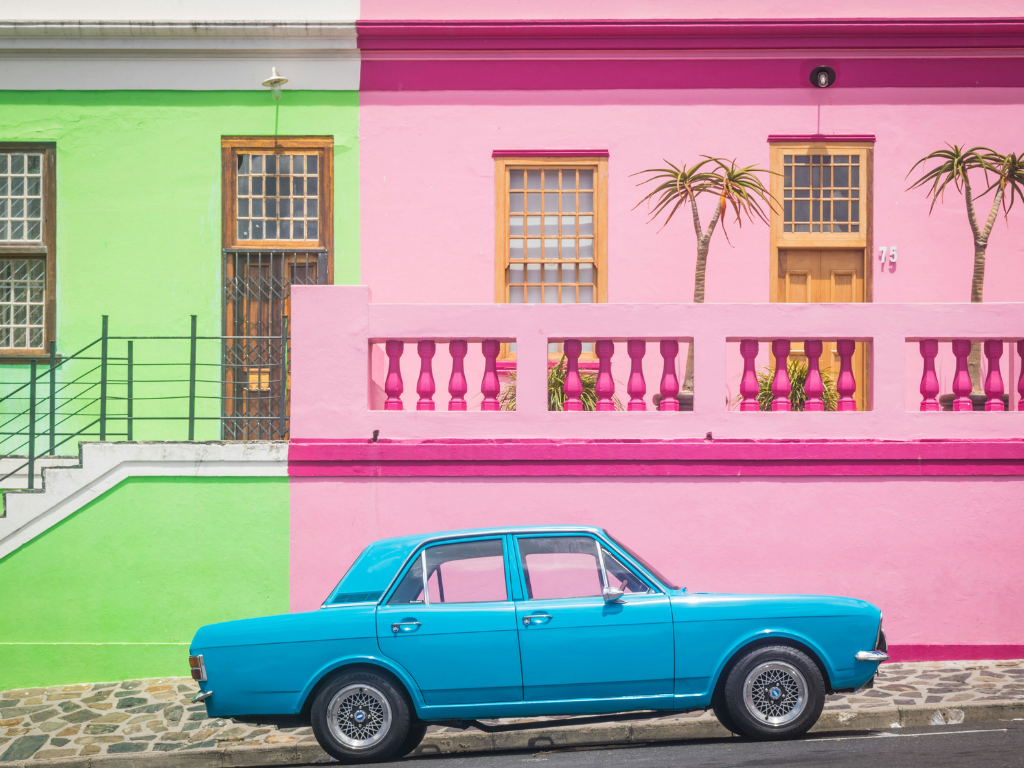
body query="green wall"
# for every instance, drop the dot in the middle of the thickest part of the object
(117, 590)
(138, 217)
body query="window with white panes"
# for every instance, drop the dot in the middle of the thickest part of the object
(278, 197)
(551, 231)
(822, 193)
(26, 248)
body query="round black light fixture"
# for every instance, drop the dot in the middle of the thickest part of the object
(822, 77)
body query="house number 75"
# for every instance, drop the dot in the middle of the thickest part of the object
(892, 253)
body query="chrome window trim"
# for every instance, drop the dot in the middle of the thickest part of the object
(657, 586)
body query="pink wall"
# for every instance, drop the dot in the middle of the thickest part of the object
(678, 9)
(940, 556)
(427, 184)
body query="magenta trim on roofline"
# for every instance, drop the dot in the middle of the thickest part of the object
(906, 653)
(820, 137)
(740, 34)
(771, 70)
(550, 153)
(653, 458)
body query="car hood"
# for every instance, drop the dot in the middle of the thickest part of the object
(765, 606)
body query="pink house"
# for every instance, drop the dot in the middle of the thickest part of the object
(499, 226)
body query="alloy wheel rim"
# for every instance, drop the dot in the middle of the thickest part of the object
(775, 693)
(359, 716)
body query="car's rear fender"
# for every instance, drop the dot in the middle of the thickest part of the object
(364, 660)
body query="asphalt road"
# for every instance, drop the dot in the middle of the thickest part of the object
(975, 745)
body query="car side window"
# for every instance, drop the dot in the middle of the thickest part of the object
(560, 567)
(461, 572)
(621, 577)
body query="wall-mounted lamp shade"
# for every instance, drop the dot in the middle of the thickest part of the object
(275, 83)
(822, 77)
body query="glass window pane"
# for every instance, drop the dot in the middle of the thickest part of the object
(533, 202)
(586, 295)
(586, 225)
(533, 273)
(533, 248)
(569, 226)
(568, 273)
(619, 576)
(569, 248)
(586, 179)
(551, 179)
(569, 179)
(533, 228)
(466, 572)
(516, 294)
(551, 202)
(22, 292)
(515, 249)
(516, 273)
(560, 567)
(586, 249)
(568, 202)
(586, 273)
(312, 163)
(551, 294)
(551, 225)
(533, 179)
(586, 202)
(515, 226)
(515, 202)
(551, 249)
(410, 590)
(551, 273)
(515, 179)
(533, 294)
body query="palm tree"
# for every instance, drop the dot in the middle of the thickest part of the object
(954, 163)
(738, 187)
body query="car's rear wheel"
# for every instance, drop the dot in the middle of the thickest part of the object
(361, 717)
(774, 693)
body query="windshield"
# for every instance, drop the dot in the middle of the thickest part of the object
(653, 571)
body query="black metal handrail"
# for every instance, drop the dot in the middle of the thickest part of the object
(90, 395)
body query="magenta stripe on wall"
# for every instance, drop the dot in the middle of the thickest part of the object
(898, 653)
(654, 458)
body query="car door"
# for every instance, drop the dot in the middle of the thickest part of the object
(451, 623)
(574, 644)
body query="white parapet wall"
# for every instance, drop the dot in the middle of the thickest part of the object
(102, 466)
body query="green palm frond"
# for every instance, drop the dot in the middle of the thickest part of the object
(743, 190)
(676, 186)
(952, 168)
(1009, 172)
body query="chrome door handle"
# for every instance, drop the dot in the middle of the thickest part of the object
(397, 627)
(536, 618)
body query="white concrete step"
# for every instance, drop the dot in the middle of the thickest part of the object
(67, 488)
(18, 465)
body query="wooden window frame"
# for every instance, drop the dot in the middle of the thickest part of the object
(46, 248)
(502, 166)
(816, 240)
(232, 146)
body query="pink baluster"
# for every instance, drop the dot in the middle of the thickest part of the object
(748, 383)
(846, 384)
(425, 383)
(780, 384)
(814, 387)
(669, 382)
(929, 381)
(604, 387)
(636, 386)
(393, 383)
(994, 380)
(573, 386)
(961, 378)
(490, 386)
(457, 384)
(1020, 381)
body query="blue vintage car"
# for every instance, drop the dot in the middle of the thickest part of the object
(518, 622)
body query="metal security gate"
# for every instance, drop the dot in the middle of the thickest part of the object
(257, 303)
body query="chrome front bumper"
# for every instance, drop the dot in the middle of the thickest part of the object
(878, 656)
(202, 696)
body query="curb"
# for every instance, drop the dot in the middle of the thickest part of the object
(626, 732)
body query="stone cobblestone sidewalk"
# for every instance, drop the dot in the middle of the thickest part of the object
(156, 716)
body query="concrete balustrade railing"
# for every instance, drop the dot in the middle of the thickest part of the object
(338, 333)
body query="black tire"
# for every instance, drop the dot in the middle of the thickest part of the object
(371, 714)
(417, 730)
(776, 692)
(721, 711)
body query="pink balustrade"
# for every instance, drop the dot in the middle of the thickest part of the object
(909, 373)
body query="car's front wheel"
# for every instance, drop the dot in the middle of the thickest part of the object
(775, 692)
(361, 717)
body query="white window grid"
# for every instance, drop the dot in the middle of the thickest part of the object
(22, 300)
(278, 197)
(21, 196)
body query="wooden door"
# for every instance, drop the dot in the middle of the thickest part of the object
(823, 276)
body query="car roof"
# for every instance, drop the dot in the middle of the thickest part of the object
(377, 565)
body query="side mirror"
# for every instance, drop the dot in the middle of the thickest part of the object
(611, 594)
